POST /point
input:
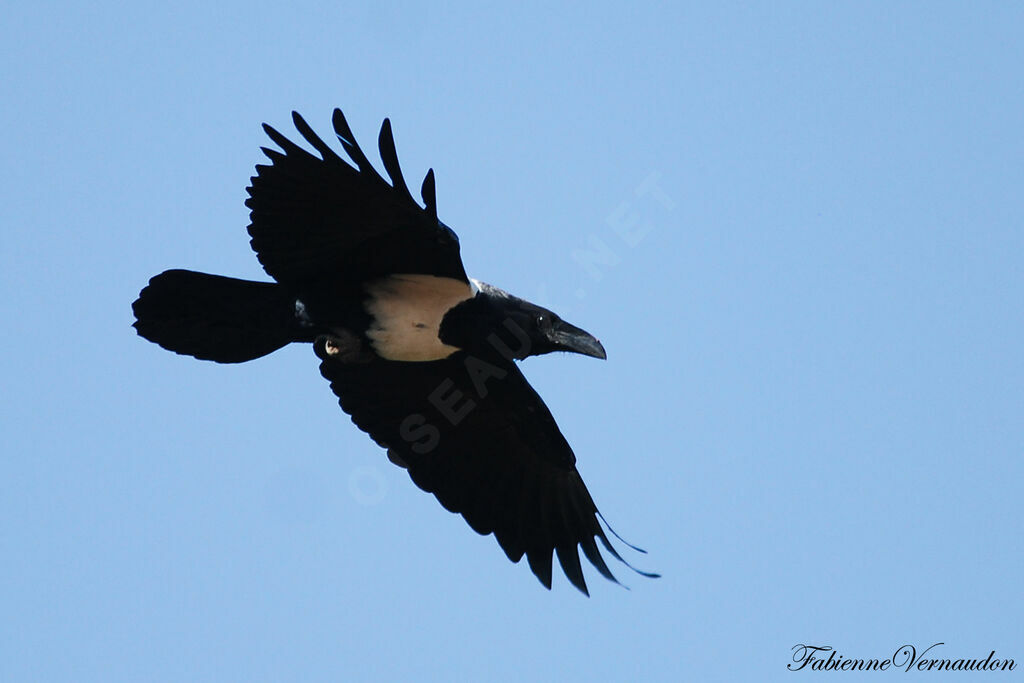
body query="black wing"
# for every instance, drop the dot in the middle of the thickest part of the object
(318, 219)
(476, 435)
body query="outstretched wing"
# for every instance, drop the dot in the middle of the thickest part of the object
(317, 219)
(475, 434)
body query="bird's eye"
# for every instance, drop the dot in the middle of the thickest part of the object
(541, 320)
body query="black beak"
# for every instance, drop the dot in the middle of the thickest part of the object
(568, 337)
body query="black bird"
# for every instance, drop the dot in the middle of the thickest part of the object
(420, 355)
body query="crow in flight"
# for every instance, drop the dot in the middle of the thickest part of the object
(421, 356)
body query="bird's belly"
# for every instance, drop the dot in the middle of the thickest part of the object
(406, 313)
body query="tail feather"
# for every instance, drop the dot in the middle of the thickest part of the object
(215, 318)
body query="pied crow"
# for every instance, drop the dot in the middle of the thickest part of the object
(421, 356)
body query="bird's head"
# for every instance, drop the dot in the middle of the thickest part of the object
(495, 321)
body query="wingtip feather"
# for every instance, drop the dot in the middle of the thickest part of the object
(312, 138)
(569, 558)
(540, 565)
(389, 155)
(428, 192)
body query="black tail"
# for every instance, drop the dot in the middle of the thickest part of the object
(216, 318)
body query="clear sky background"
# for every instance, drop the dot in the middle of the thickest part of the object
(811, 411)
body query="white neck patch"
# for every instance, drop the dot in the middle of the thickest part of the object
(406, 313)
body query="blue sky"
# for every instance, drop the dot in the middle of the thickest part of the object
(809, 228)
